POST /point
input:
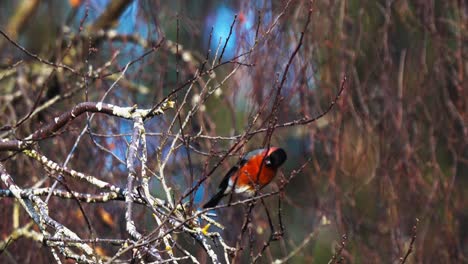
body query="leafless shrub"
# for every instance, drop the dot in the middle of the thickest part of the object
(109, 141)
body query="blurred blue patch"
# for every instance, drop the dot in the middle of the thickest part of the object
(221, 20)
(243, 32)
(199, 194)
(129, 23)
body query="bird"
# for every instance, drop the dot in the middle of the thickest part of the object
(255, 170)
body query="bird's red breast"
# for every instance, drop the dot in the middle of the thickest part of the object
(254, 172)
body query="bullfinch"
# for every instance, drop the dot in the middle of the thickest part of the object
(255, 170)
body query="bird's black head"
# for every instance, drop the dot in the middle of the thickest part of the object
(276, 158)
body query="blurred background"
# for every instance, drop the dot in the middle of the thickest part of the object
(393, 149)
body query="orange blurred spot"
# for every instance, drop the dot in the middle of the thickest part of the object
(106, 217)
(75, 3)
(111, 145)
(241, 17)
(100, 251)
(78, 216)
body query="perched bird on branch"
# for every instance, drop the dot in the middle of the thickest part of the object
(256, 170)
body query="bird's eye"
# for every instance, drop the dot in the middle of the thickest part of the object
(268, 161)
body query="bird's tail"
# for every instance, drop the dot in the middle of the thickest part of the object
(214, 200)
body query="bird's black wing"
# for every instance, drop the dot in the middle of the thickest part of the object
(221, 189)
(225, 182)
